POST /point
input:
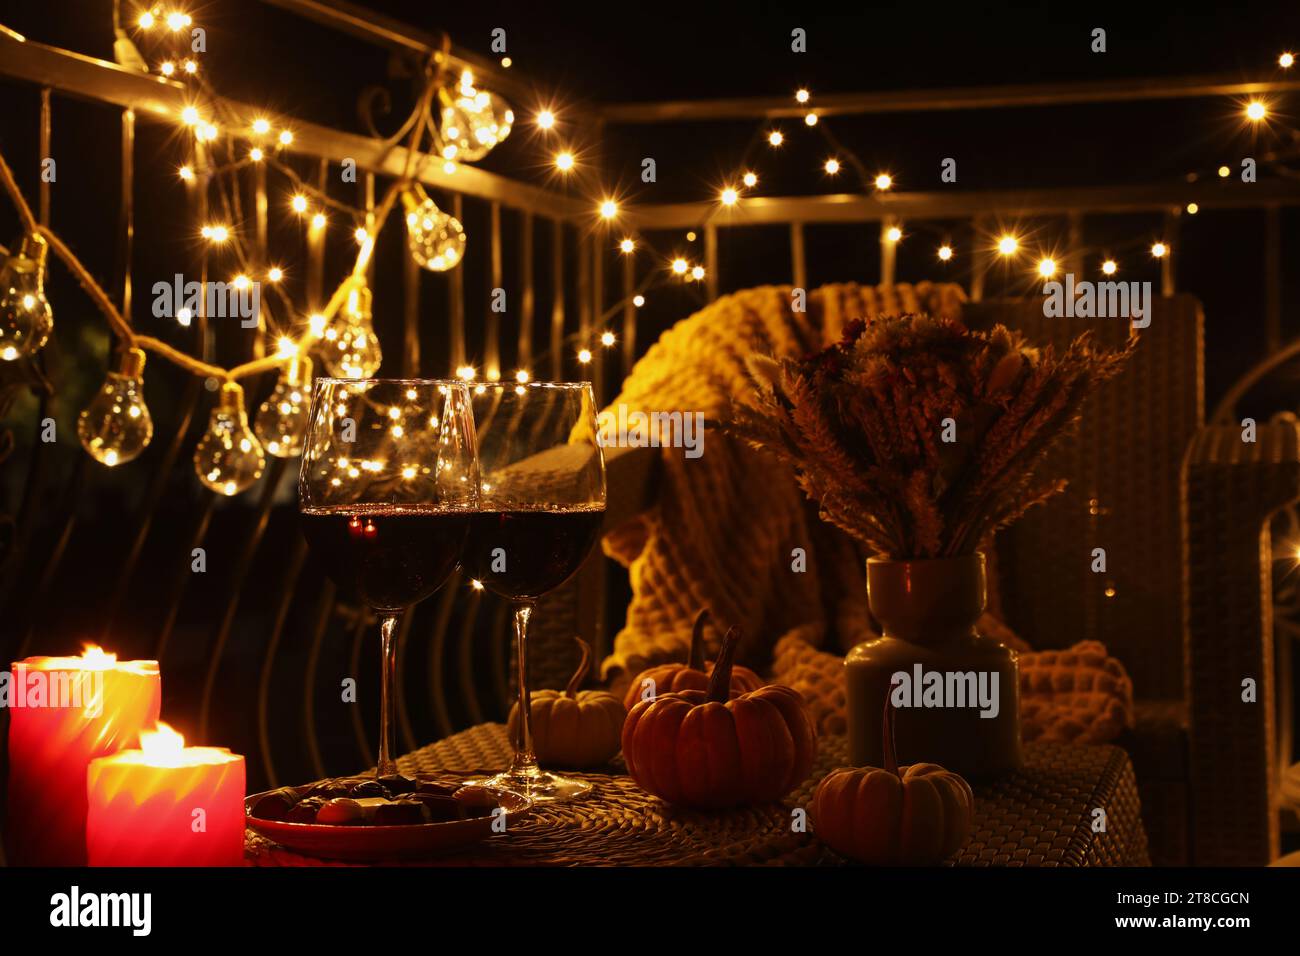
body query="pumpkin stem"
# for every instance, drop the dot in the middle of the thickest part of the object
(887, 745)
(580, 675)
(696, 659)
(720, 679)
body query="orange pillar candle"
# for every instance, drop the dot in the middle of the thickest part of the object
(64, 712)
(166, 805)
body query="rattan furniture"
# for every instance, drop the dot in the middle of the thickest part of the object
(1045, 815)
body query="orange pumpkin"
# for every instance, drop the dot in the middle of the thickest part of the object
(693, 675)
(717, 747)
(573, 728)
(917, 815)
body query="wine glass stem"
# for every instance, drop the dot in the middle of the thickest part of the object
(387, 690)
(525, 761)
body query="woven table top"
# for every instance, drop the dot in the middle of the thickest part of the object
(1041, 816)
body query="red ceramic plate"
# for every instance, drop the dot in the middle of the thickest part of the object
(368, 844)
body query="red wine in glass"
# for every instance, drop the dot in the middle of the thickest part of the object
(389, 556)
(522, 555)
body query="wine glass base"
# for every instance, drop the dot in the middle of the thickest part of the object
(539, 786)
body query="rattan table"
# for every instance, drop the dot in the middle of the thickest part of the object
(1043, 815)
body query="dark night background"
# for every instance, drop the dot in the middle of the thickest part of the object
(258, 54)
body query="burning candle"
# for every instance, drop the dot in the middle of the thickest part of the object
(166, 805)
(64, 712)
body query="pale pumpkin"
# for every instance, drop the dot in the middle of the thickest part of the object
(693, 675)
(574, 728)
(718, 747)
(917, 815)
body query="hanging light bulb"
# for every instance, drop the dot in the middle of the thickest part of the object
(25, 319)
(229, 458)
(281, 420)
(351, 348)
(115, 427)
(436, 240)
(473, 121)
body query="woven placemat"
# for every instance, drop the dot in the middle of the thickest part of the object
(1041, 816)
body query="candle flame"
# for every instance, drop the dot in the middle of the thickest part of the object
(161, 743)
(95, 657)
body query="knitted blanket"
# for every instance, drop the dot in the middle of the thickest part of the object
(731, 530)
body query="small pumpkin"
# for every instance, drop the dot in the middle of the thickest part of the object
(693, 675)
(574, 728)
(917, 815)
(718, 747)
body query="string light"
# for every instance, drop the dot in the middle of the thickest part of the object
(473, 121)
(697, 273)
(1224, 172)
(241, 282)
(299, 204)
(229, 458)
(318, 221)
(608, 209)
(116, 426)
(167, 68)
(25, 317)
(832, 166)
(1255, 111)
(627, 245)
(775, 137)
(564, 161)
(521, 377)
(146, 20)
(607, 339)
(184, 317)
(546, 119)
(801, 96)
(281, 422)
(945, 253)
(186, 173)
(1109, 267)
(435, 239)
(680, 266)
(729, 196)
(638, 300)
(190, 115)
(884, 181)
(255, 154)
(354, 350)
(1193, 209)
(176, 21)
(584, 356)
(690, 236)
(1046, 268)
(1008, 245)
(205, 132)
(466, 373)
(360, 234)
(1159, 250)
(261, 126)
(191, 67)
(1286, 61)
(810, 119)
(275, 274)
(750, 180)
(217, 234)
(893, 234)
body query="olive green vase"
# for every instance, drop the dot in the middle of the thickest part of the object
(958, 704)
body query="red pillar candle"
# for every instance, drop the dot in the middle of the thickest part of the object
(166, 805)
(64, 712)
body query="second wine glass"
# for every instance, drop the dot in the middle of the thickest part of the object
(541, 506)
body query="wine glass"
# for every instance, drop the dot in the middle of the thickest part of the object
(541, 505)
(386, 490)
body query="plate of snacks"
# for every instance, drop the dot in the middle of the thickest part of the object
(366, 818)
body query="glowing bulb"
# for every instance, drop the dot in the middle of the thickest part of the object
(115, 427)
(697, 273)
(1046, 267)
(229, 458)
(466, 373)
(1007, 245)
(475, 121)
(361, 235)
(205, 132)
(679, 266)
(750, 180)
(811, 119)
(1109, 266)
(190, 115)
(638, 300)
(945, 253)
(608, 209)
(1159, 249)
(219, 234)
(1255, 111)
(275, 274)
(476, 584)
(884, 181)
(286, 137)
(261, 126)
(241, 282)
(191, 67)
(1224, 172)
(521, 377)
(25, 317)
(564, 162)
(175, 21)
(801, 96)
(184, 317)
(775, 137)
(167, 68)
(627, 245)
(298, 204)
(318, 221)
(255, 154)
(435, 239)
(1193, 209)
(353, 350)
(832, 166)
(186, 174)
(690, 236)
(281, 421)
(584, 356)
(1286, 61)
(546, 119)
(146, 20)
(607, 339)
(729, 197)
(316, 324)
(893, 234)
